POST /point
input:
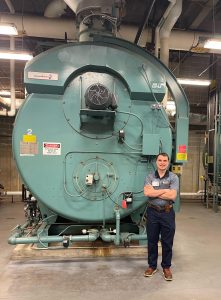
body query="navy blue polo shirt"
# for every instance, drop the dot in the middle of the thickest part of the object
(168, 181)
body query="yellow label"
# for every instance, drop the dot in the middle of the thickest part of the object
(181, 156)
(29, 138)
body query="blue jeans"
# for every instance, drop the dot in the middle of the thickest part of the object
(160, 225)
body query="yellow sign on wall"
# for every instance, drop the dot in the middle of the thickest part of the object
(181, 156)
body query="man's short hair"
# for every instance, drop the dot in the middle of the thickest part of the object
(163, 154)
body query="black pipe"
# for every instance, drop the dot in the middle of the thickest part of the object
(144, 22)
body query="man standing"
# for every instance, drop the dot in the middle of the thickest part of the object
(161, 188)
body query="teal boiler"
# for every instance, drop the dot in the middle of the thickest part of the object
(89, 130)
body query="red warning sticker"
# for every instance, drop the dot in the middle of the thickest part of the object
(50, 148)
(182, 148)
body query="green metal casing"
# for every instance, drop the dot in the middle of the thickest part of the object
(57, 142)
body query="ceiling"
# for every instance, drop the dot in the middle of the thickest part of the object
(197, 15)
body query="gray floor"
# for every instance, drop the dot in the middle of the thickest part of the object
(196, 266)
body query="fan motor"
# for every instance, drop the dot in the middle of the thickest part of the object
(98, 97)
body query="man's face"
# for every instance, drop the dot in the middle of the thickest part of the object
(162, 163)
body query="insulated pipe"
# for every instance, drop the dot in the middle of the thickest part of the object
(12, 111)
(10, 6)
(17, 239)
(55, 9)
(160, 24)
(165, 31)
(37, 26)
(4, 103)
(12, 193)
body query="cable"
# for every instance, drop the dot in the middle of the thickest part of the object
(131, 114)
(148, 82)
(124, 143)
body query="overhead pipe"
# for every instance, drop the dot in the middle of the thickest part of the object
(12, 193)
(160, 24)
(4, 103)
(165, 31)
(10, 6)
(55, 28)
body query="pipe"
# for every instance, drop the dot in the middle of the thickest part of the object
(11, 112)
(10, 6)
(162, 20)
(198, 193)
(55, 9)
(165, 31)
(12, 193)
(124, 237)
(4, 103)
(17, 239)
(37, 26)
(117, 237)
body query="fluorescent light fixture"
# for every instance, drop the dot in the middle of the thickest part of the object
(12, 54)
(213, 44)
(199, 82)
(8, 29)
(5, 93)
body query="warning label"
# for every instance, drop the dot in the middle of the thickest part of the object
(51, 148)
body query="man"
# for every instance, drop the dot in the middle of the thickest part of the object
(161, 188)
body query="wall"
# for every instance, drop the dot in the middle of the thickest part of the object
(9, 177)
(193, 169)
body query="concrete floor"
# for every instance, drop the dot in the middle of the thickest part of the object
(196, 266)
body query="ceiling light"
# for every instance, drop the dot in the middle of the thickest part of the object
(199, 82)
(8, 29)
(5, 93)
(213, 44)
(18, 55)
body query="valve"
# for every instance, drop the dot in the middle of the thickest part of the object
(66, 242)
(121, 136)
